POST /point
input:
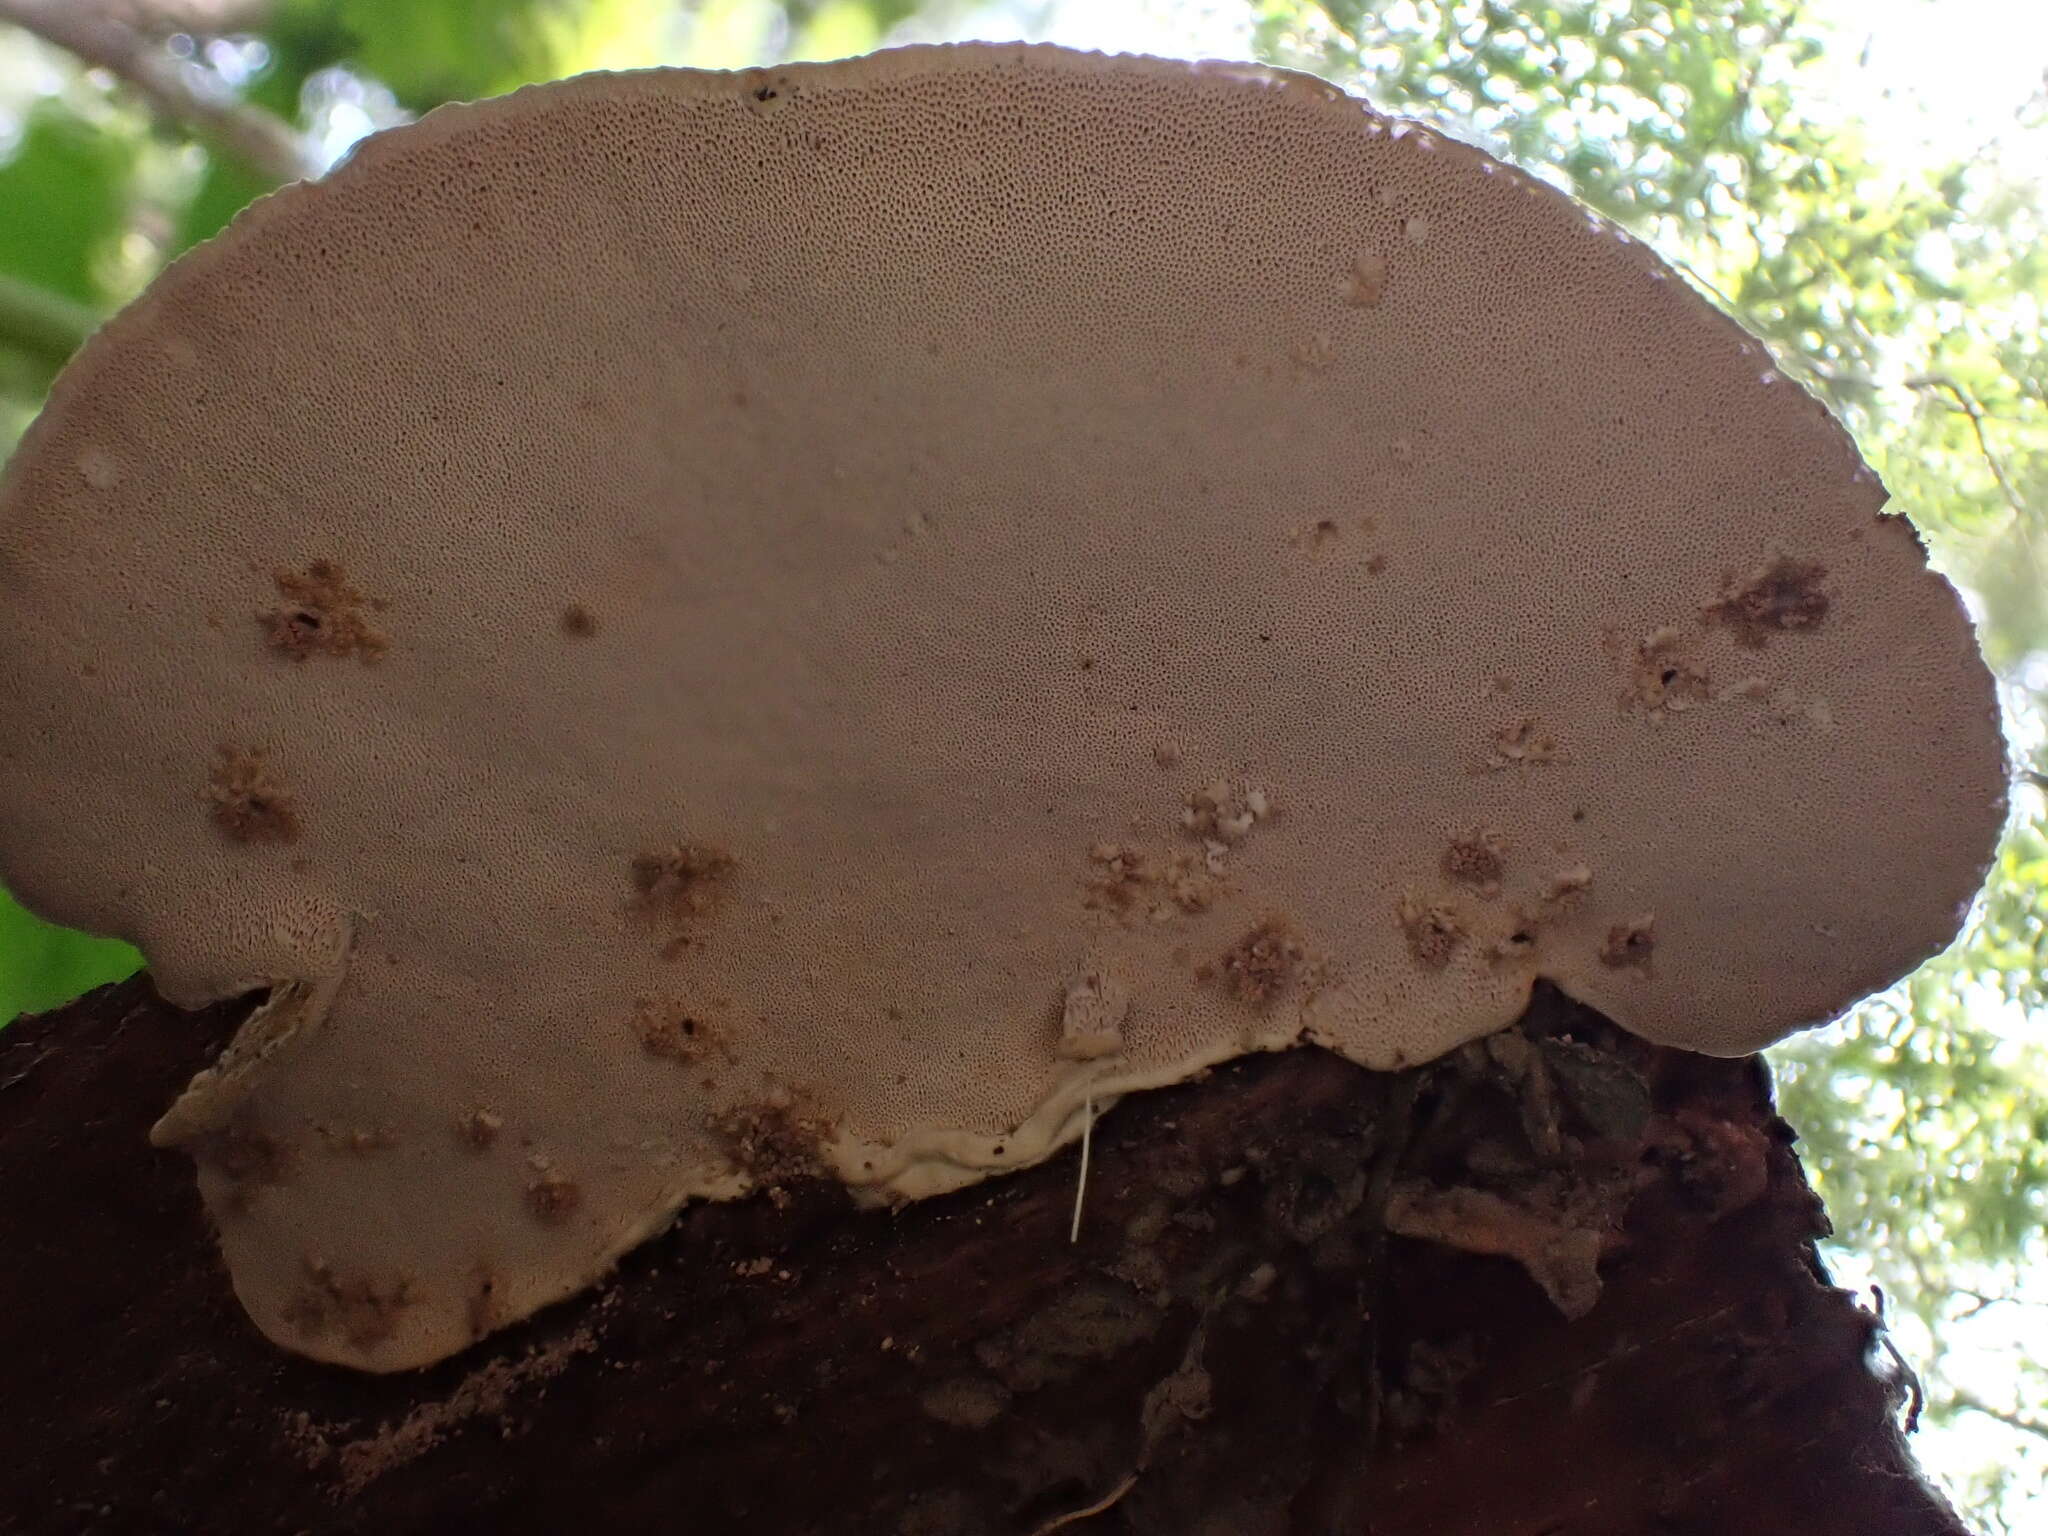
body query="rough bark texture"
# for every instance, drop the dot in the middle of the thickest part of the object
(1243, 1341)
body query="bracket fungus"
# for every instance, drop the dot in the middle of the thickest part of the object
(726, 550)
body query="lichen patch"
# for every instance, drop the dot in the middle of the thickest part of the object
(249, 799)
(323, 614)
(1785, 596)
(1433, 930)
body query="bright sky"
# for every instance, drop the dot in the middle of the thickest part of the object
(1928, 79)
(1938, 77)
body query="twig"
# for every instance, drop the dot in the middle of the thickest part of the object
(1081, 1184)
(1966, 404)
(259, 140)
(43, 324)
(1073, 1516)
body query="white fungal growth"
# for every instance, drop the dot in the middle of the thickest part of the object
(490, 816)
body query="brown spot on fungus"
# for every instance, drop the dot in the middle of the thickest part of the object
(483, 1302)
(578, 622)
(1259, 966)
(1322, 532)
(479, 1127)
(1785, 595)
(1478, 860)
(1517, 942)
(671, 1029)
(243, 1154)
(323, 614)
(364, 1309)
(1224, 812)
(1662, 680)
(1522, 744)
(250, 802)
(552, 1195)
(1317, 352)
(1433, 930)
(1630, 945)
(1118, 879)
(1562, 887)
(1127, 880)
(680, 882)
(1368, 283)
(776, 1141)
(361, 1141)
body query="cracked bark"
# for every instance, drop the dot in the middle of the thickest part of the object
(1306, 1299)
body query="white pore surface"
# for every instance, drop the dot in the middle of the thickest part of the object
(1099, 565)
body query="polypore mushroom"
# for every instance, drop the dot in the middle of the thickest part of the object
(726, 550)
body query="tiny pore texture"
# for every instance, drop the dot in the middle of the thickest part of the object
(701, 628)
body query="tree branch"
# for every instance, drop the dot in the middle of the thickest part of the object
(256, 138)
(45, 325)
(2005, 1416)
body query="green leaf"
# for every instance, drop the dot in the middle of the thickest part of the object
(43, 966)
(66, 189)
(431, 51)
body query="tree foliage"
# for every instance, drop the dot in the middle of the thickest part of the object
(1907, 297)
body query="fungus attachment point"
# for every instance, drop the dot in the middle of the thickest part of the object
(744, 774)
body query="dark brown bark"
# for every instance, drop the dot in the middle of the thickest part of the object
(1238, 1345)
